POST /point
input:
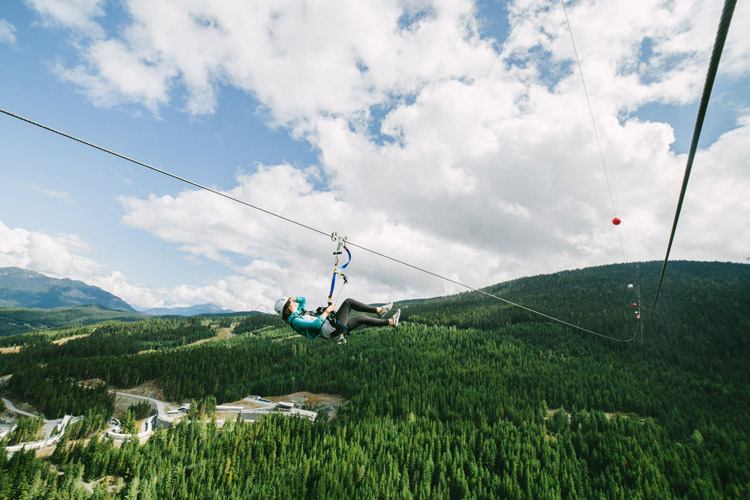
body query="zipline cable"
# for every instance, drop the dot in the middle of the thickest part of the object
(593, 122)
(327, 235)
(146, 165)
(445, 278)
(713, 68)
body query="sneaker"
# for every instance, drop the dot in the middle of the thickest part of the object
(395, 318)
(385, 309)
(340, 339)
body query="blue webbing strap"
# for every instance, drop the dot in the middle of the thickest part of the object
(336, 270)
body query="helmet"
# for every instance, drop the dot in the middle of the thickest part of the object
(279, 305)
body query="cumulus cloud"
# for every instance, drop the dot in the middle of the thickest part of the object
(7, 32)
(340, 59)
(299, 61)
(63, 256)
(437, 146)
(119, 75)
(77, 15)
(718, 201)
(32, 250)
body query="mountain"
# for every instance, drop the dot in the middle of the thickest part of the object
(195, 310)
(29, 289)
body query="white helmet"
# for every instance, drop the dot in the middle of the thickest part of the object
(279, 305)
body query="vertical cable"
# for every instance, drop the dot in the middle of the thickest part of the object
(593, 122)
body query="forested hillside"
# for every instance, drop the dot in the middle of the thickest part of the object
(14, 320)
(468, 398)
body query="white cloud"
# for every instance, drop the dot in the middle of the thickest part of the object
(736, 60)
(62, 195)
(714, 216)
(120, 76)
(298, 60)
(659, 57)
(61, 256)
(7, 32)
(309, 61)
(37, 251)
(76, 15)
(304, 61)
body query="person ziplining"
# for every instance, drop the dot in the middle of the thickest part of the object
(330, 325)
(326, 322)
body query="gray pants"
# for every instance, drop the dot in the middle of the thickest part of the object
(342, 315)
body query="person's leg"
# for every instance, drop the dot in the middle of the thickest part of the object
(349, 305)
(357, 321)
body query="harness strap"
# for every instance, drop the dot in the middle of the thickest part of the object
(341, 244)
(339, 327)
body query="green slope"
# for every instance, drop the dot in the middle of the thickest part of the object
(14, 320)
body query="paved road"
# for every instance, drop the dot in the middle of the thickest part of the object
(160, 405)
(9, 404)
(49, 425)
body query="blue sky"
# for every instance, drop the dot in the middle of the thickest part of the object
(440, 133)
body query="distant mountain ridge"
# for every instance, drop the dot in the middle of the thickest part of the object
(195, 310)
(29, 289)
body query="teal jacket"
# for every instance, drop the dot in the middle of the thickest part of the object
(307, 327)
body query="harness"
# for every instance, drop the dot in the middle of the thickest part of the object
(338, 326)
(336, 332)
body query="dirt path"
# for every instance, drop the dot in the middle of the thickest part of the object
(221, 333)
(68, 339)
(15, 349)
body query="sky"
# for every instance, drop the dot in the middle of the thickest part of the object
(452, 135)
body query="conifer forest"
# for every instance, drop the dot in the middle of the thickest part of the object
(469, 398)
